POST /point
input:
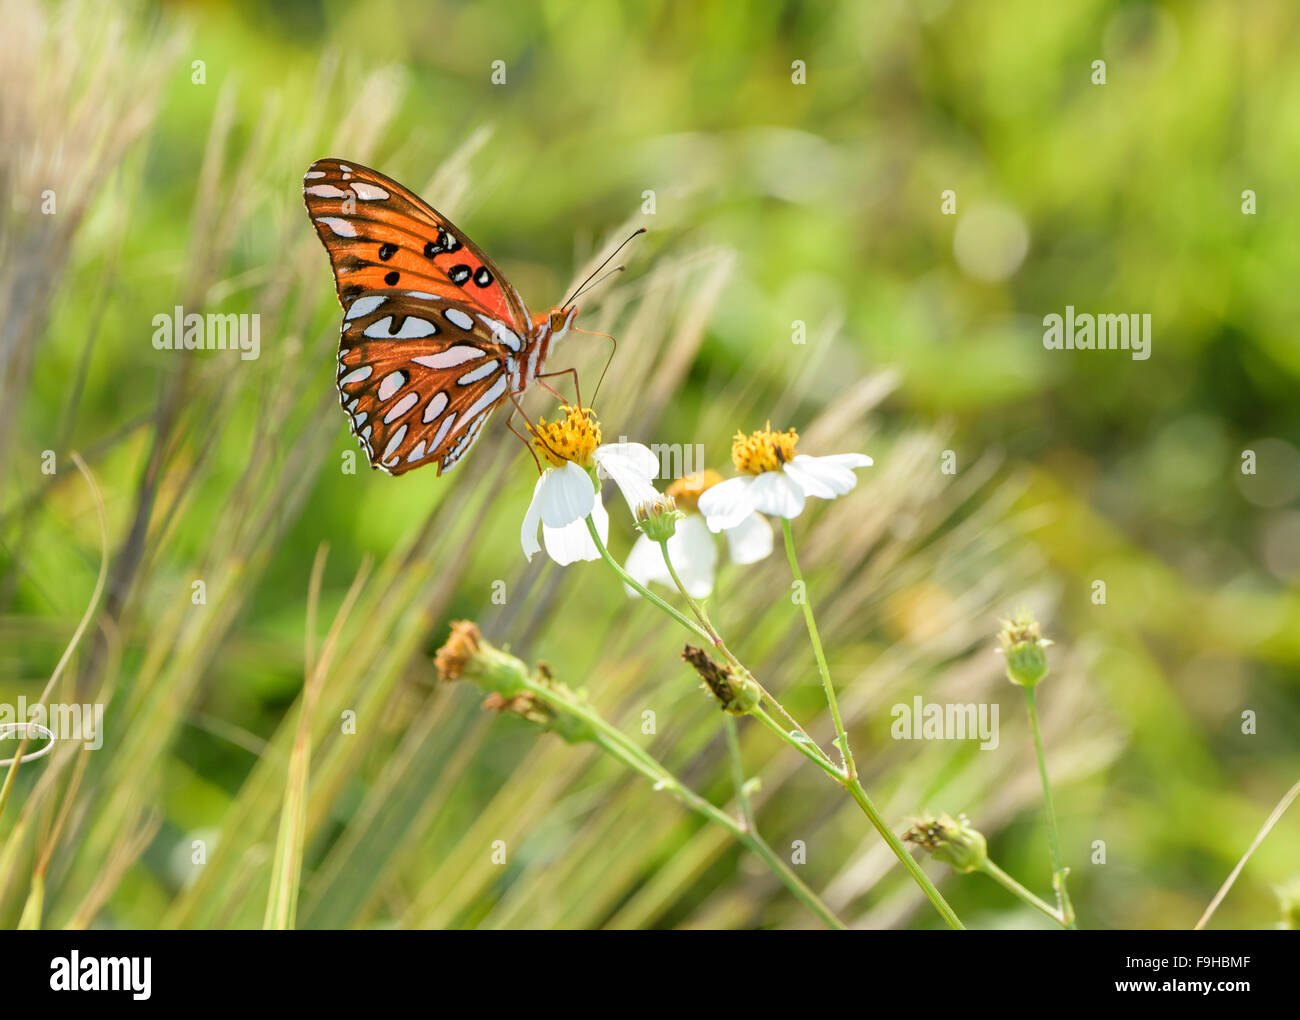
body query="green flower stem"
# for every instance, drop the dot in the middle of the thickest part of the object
(803, 747)
(1059, 871)
(809, 748)
(640, 588)
(615, 743)
(700, 614)
(841, 737)
(738, 772)
(1016, 889)
(859, 794)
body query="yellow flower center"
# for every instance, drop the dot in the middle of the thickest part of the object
(763, 450)
(688, 489)
(571, 438)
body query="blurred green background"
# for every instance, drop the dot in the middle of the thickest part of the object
(178, 183)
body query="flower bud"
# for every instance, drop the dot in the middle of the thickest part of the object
(466, 656)
(511, 688)
(950, 840)
(1025, 648)
(737, 695)
(658, 518)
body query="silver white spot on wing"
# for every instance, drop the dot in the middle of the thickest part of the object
(458, 318)
(495, 393)
(363, 306)
(312, 175)
(369, 192)
(503, 334)
(464, 443)
(413, 328)
(379, 328)
(401, 407)
(451, 357)
(326, 191)
(437, 404)
(482, 372)
(394, 443)
(341, 227)
(417, 453)
(441, 434)
(356, 375)
(391, 383)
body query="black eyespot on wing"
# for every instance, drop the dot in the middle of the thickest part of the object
(392, 278)
(458, 274)
(431, 249)
(387, 251)
(483, 277)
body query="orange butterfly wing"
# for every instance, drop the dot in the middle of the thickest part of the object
(432, 332)
(381, 236)
(419, 376)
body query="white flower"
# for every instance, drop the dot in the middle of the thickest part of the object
(562, 499)
(776, 480)
(694, 553)
(693, 550)
(633, 468)
(564, 496)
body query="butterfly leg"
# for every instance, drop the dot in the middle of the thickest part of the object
(522, 438)
(514, 399)
(613, 349)
(577, 389)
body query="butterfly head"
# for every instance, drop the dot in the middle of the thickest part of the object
(560, 321)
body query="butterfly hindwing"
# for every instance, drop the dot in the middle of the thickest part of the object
(419, 375)
(380, 236)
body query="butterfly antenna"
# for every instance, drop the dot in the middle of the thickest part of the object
(608, 361)
(607, 261)
(597, 283)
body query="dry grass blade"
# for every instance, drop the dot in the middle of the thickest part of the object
(286, 874)
(75, 640)
(1287, 800)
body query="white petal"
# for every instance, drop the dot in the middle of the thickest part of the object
(572, 542)
(728, 503)
(827, 477)
(633, 468)
(777, 495)
(750, 540)
(528, 533)
(695, 555)
(632, 457)
(567, 496)
(646, 564)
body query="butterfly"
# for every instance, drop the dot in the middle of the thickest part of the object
(434, 338)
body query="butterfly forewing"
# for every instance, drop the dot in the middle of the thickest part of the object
(434, 338)
(381, 236)
(419, 376)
